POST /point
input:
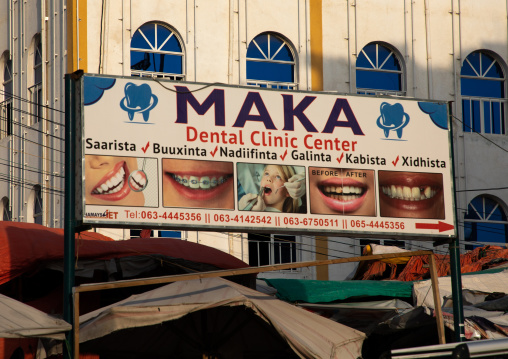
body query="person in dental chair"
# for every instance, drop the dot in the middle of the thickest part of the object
(281, 190)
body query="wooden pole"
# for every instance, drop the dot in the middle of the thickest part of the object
(437, 299)
(76, 325)
(240, 271)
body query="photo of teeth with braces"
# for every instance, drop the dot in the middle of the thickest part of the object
(197, 184)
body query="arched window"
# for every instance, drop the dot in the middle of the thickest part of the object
(379, 71)
(271, 63)
(6, 104)
(35, 205)
(36, 89)
(5, 211)
(156, 51)
(485, 221)
(482, 83)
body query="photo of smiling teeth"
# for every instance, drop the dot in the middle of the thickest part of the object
(112, 185)
(204, 182)
(343, 193)
(406, 193)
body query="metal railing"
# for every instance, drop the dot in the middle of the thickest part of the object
(159, 75)
(372, 92)
(273, 84)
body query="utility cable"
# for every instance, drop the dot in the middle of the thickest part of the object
(11, 96)
(30, 170)
(478, 133)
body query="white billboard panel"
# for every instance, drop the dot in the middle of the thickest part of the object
(207, 156)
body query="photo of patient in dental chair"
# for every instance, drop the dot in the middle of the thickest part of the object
(271, 188)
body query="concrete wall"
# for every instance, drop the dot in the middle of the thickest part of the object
(432, 38)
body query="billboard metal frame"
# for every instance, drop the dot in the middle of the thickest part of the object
(424, 229)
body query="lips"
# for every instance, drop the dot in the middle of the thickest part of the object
(342, 194)
(200, 186)
(113, 186)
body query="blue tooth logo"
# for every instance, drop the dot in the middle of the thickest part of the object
(138, 99)
(393, 118)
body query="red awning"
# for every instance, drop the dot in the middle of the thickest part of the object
(24, 246)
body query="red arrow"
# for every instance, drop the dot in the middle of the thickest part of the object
(442, 226)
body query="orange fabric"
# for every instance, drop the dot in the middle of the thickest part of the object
(417, 267)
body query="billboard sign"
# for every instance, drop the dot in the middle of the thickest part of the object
(194, 156)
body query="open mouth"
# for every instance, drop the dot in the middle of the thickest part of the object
(267, 190)
(413, 192)
(113, 186)
(343, 195)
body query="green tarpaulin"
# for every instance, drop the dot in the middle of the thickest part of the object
(322, 291)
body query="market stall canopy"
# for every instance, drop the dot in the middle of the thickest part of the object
(18, 320)
(323, 291)
(25, 247)
(489, 281)
(213, 317)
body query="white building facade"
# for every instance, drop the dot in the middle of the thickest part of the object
(454, 51)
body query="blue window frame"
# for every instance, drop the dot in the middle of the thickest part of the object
(485, 221)
(379, 71)
(271, 63)
(156, 51)
(482, 85)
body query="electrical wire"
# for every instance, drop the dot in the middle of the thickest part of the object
(478, 133)
(31, 154)
(482, 189)
(30, 170)
(28, 101)
(30, 127)
(185, 92)
(36, 143)
(31, 185)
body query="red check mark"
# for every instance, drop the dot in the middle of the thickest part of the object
(214, 151)
(396, 160)
(284, 155)
(146, 147)
(339, 159)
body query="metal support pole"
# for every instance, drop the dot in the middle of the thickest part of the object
(456, 280)
(458, 310)
(70, 223)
